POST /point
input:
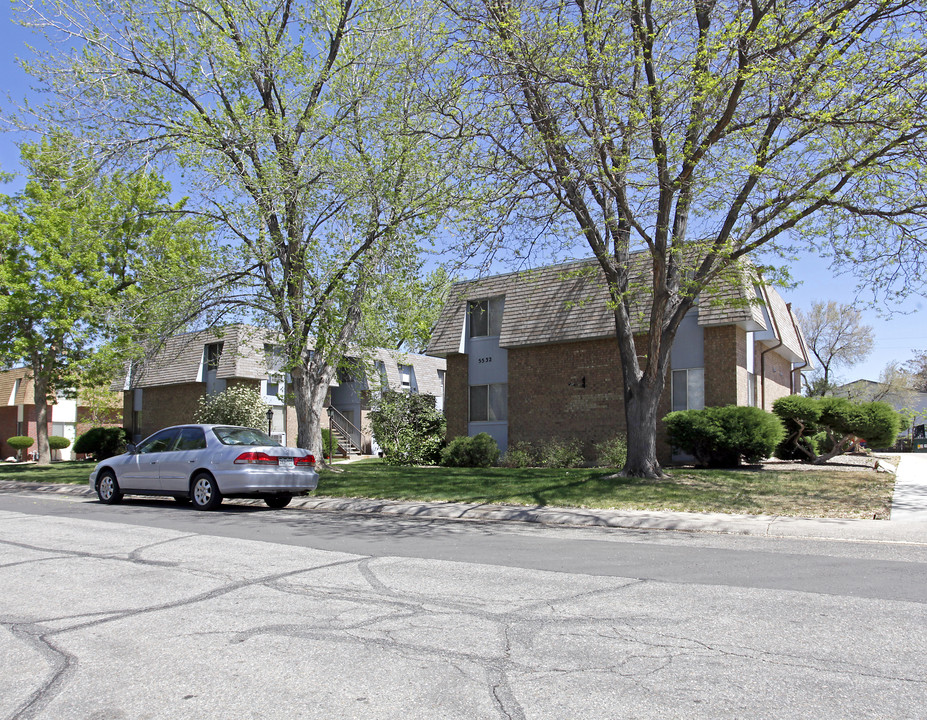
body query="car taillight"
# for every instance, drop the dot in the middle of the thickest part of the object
(255, 458)
(306, 460)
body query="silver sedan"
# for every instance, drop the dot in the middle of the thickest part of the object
(204, 463)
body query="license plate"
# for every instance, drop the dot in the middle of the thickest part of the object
(285, 462)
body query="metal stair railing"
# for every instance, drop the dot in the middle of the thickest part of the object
(349, 435)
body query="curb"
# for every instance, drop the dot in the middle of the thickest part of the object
(881, 531)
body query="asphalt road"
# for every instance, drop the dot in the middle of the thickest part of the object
(153, 610)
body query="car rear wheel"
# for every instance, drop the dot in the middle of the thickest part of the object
(204, 492)
(108, 488)
(280, 500)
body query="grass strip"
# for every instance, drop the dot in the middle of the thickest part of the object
(820, 492)
(812, 493)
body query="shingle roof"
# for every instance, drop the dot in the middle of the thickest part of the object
(425, 368)
(25, 394)
(181, 358)
(785, 327)
(569, 302)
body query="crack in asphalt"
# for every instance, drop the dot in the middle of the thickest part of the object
(518, 626)
(63, 663)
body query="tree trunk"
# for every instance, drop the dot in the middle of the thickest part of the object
(41, 418)
(310, 388)
(840, 447)
(641, 401)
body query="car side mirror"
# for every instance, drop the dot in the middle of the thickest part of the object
(130, 448)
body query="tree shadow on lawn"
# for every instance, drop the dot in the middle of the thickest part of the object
(540, 487)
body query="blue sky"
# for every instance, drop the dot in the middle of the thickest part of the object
(898, 330)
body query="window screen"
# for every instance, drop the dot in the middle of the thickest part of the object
(479, 403)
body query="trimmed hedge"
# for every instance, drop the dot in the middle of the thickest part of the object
(20, 442)
(56, 442)
(722, 436)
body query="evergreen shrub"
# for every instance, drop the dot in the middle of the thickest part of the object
(20, 442)
(56, 442)
(722, 436)
(102, 442)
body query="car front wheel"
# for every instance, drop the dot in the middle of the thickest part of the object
(108, 488)
(280, 500)
(204, 492)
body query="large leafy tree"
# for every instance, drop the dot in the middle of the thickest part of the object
(698, 132)
(309, 129)
(75, 247)
(836, 336)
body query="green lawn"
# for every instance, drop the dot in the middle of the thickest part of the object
(811, 493)
(71, 472)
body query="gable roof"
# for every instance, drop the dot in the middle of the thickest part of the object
(570, 302)
(180, 360)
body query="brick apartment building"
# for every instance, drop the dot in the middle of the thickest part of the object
(67, 417)
(532, 356)
(166, 389)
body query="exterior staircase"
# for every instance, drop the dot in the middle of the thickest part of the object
(348, 436)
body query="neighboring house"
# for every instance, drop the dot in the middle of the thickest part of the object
(67, 417)
(166, 388)
(532, 356)
(910, 403)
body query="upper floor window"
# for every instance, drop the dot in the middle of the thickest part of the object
(212, 354)
(485, 316)
(405, 377)
(275, 358)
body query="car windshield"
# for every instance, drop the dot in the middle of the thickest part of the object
(243, 436)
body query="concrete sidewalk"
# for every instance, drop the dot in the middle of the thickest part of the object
(909, 503)
(912, 529)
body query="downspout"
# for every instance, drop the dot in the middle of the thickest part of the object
(804, 350)
(772, 319)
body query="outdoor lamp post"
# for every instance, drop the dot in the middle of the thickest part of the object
(270, 419)
(331, 412)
